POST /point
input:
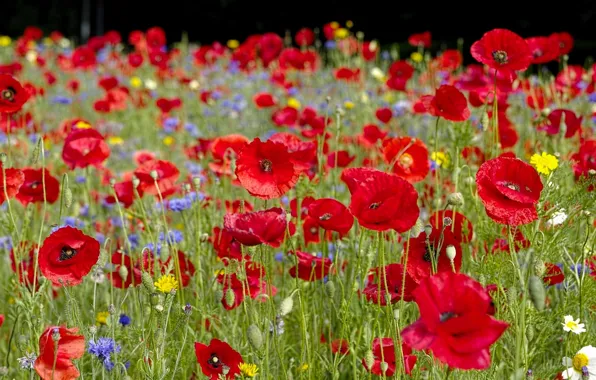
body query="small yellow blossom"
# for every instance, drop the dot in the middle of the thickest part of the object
(440, 159)
(5, 41)
(47, 41)
(544, 163)
(115, 140)
(11, 301)
(168, 140)
(416, 57)
(378, 74)
(341, 33)
(349, 24)
(136, 82)
(571, 325)
(166, 283)
(389, 97)
(303, 367)
(249, 370)
(348, 105)
(233, 44)
(31, 56)
(82, 125)
(294, 103)
(334, 24)
(102, 318)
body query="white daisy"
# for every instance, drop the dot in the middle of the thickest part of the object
(584, 361)
(573, 325)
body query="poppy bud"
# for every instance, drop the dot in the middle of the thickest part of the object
(154, 174)
(196, 181)
(255, 338)
(330, 288)
(484, 121)
(159, 308)
(530, 332)
(35, 153)
(286, 306)
(455, 199)
(469, 180)
(537, 293)
(451, 252)
(369, 358)
(112, 309)
(147, 281)
(67, 197)
(384, 367)
(417, 228)
(539, 268)
(428, 229)
(135, 182)
(123, 272)
(204, 237)
(3, 157)
(230, 297)
(396, 314)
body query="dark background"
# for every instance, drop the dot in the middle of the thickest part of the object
(387, 21)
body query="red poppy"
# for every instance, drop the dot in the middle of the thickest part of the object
(347, 74)
(264, 100)
(585, 159)
(460, 226)
(412, 164)
(32, 190)
(133, 271)
(502, 244)
(454, 323)
(370, 50)
(509, 189)
(14, 179)
(254, 228)
(269, 47)
(341, 346)
(285, 116)
(25, 267)
(341, 159)
(165, 181)
(226, 246)
(84, 147)
(384, 351)
(377, 288)
(543, 49)
(371, 133)
(450, 60)
(555, 122)
(554, 274)
(83, 57)
(305, 37)
(155, 37)
(309, 267)
(420, 39)
(187, 268)
(125, 193)
(67, 255)
(265, 169)
(12, 94)
(422, 252)
(304, 205)
(217, 355)
(253, 285)
(384, 115)
(565, 42)
(448, 103)
(331, 215)
(381, 201)
(501, 49)
(167, 105)
(56, 362)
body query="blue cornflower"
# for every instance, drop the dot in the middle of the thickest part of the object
(292, 91)
(59, 99)
(179, 204)
(170, 124)
(80, 179)
(279, 256)
(134, 240)
(330, 44)
(6, 243)
(592, 97)
(174, 235)
(154, 249)
(124, 320)
(103, 348)
(100, 237)
(385, 55)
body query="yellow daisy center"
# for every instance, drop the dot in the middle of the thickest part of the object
(580, 361)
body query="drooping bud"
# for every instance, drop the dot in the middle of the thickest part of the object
(369, 359)
(451, 252)
(3, 157)
(537, 293)
(330, 288)
(428, 229)
(135, 182)
(67, 197)
(539, 268)
(417, 228)
(154, 174)
(384, 367)
(286, 306)
(123, 272)
(230, 297)
(484, 121)
(255, 338)
(196, 181)
(147, 281)
(455, 199)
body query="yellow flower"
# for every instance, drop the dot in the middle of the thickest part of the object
(249, 370)
(82, 125)
(440, 159)
(5, 41)
(544, 163)
(341, 33)
(416, 57)
(233, 44)
(303, 367)
(166, 283)
(334, 24)
(389, 97)
(115, 140)
(349, 24)
(47, 41)
(378, 74)
(168, 140)
(294, 103)
(348, 105)
(102, 318)
(136, 82)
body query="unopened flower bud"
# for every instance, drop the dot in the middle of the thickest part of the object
(112, 182)
(369, 359)
(255, 338)
(428, 229)
(159, 307)
(135, 182)
(330, 288)
(286, 306)
(384, 367)
(147, 281)
(451, 252)
(417, 228)
(196, 181)
(230, 297)
(123, 272)
(455, 199)
(67, 197)
(396, 314)
(112, 309)
(3, 157)
(539, 268)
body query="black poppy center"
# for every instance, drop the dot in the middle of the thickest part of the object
(266, 165)
(446, 316)
(67, 253)
(512, 186)
(35, 184)
(214, 361)
(537, 53)
(9, 94)
(500, 56)
(375, 205)
(325, 216)
(428, 254)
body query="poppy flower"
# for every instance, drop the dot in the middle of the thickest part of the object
(584, 159)
(264, 100)
(32, 190)
(448, 103)
(381, 201)
(84, 147)
(14, 179)
(412, 164)
(309, 267)
(187, 268)
(543, 49)
(217, 355)
(83, 57)
(133, 271)
(554, 274)
(125, 193)
(420, 39)
(265, 169)
(304, 37)
(226, 246)
(331, 215)
(371, 133)
(460, 226)
(253, 285)
(454, 323)
(509, 189)
(422, 252)
(258, 227)
(165, 181)
(58, 345)
(384, 115)
(24, 268)
(67, 255)
(565, 42)
(555, 122)
(502, 49)
(384, 350)
(12, 94)
(376, 292)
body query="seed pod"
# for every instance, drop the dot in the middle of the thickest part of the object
(286, 306)
(255, 338)
(455, 199)
(123, 272)
(369, 359)
(539, 268)
(530, 332)
(537, 293)
(35, 154)
(147, 281)
(384, 367)
(67, 197)
(230, 297)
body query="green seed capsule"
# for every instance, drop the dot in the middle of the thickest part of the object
(537, 293)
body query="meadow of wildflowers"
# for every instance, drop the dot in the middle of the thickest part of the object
(307, 207)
